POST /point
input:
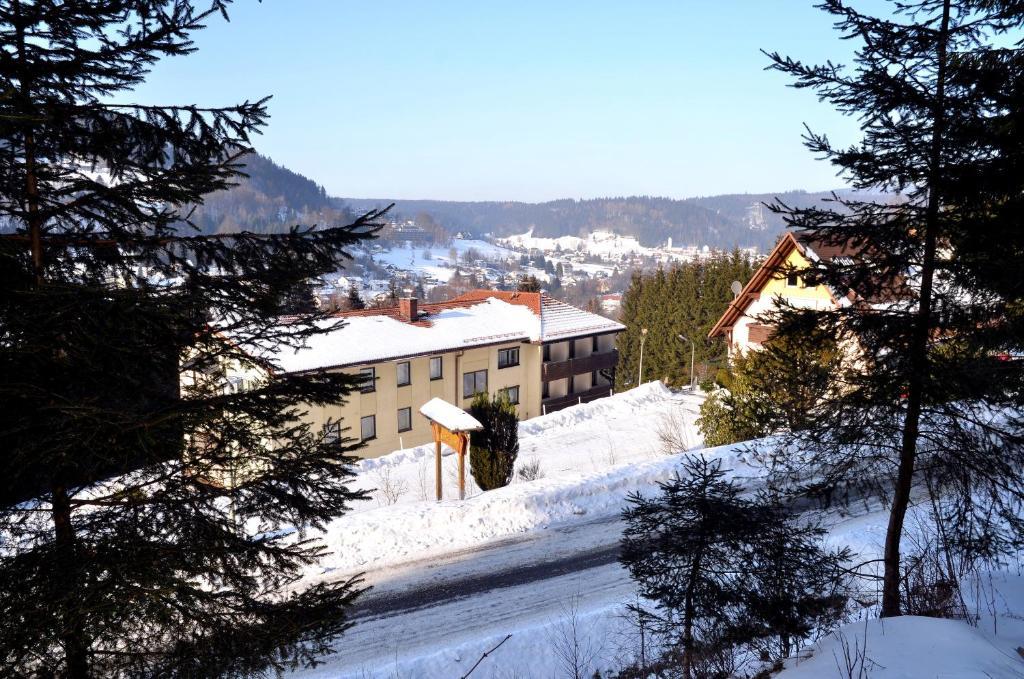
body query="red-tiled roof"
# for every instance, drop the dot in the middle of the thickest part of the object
(532, 300)
(423, 314)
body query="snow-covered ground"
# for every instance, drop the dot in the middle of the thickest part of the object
(566, 525)
(440, 264)
(910, 647)
(599, 243)
(589, 456)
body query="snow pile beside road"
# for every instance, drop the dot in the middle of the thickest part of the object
(399, 533)
(590, 455)
(626, 427)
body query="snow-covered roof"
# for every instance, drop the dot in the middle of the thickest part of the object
(379, 337)
(559, 321)
(479, 318)
(562, 321)
(449, 416)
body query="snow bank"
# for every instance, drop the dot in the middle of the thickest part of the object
(590, 455)
(400, 533)
(907, 647)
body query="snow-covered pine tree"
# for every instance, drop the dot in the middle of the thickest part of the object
(934, 311)
(120, 553)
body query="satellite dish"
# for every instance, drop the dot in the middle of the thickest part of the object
(736, 288)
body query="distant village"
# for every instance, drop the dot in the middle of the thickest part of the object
(435, 265)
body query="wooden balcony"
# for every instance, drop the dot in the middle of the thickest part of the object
(556, 370)
(550, 405)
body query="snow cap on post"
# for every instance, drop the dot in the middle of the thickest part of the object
(449, 416)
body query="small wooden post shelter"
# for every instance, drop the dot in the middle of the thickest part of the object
(452, 425)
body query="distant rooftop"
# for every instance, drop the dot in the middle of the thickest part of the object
(477, 318)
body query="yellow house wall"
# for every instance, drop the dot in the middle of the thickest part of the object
(777, 284)
(817, 297)
(385, 401)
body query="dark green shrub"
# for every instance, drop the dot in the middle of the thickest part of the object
(493, 451)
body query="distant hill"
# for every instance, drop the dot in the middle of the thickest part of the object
(718, 221)
(272, 198)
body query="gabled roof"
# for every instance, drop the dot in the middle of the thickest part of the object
(813, 249)
(531, 300)
(382, 336)
(764, 273)
(561, 321)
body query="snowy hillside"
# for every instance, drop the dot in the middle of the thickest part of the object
(600, 243)
(537, 562)
(437, 262)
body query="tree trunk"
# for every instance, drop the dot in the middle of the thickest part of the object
(76, 656)
(72, 630)
(688, 619)
(919, 345)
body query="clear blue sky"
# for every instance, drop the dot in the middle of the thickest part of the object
(521, 100)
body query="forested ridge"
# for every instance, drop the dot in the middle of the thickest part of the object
(717, 221)
(273, 197)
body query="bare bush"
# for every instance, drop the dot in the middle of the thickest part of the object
(852, 660)
(423, 475)
(930, 579)
(673, 432)
(610, 456)
(389, 490)
(530, 471)
(574, 648)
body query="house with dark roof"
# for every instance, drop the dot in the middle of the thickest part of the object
(543, 354)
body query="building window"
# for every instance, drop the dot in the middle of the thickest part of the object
(792, 280)
(367, 380)
(572, 349)
(368, 427)
(547, 352)
(404, 419)
(474, 383)
(404, 374)
(332, 433)
(512, 394)
(436, 367)
(508, 358)
(593, 344)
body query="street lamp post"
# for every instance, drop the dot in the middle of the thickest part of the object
(640, 372)
(693, 350)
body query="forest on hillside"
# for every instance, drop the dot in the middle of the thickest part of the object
(271, 198)
(685, 299)
(725, 222)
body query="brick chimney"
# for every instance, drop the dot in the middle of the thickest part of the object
(408, 309)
